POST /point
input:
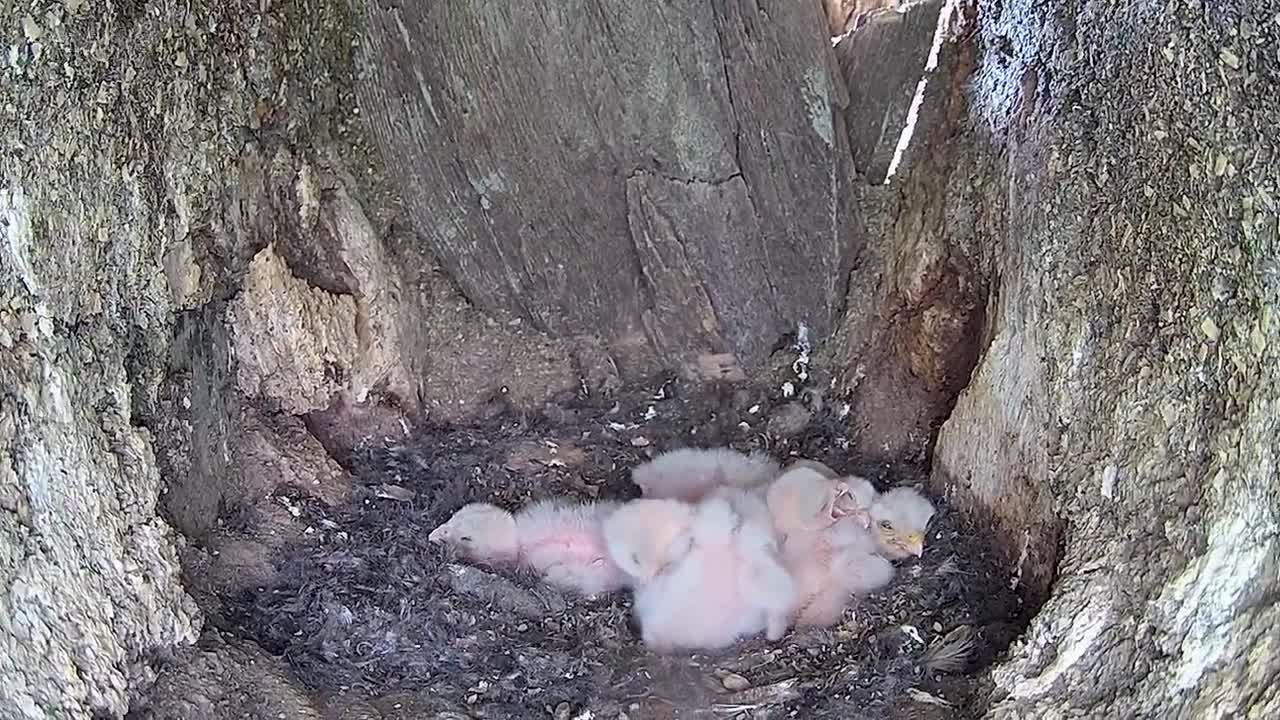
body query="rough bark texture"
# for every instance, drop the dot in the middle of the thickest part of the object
(226, 678)
(196, 247)
(881, 66)
(915, 313)
(1104, 181)
(668, 176)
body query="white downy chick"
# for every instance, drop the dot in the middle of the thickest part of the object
(857, 493)
(561, 541)
(822, 521)
(900, 516)
(804, 498)
(857, 499)
(728, 584)
(838, 535)
(830, 567)
(481, 533)
(690, 473)
(899, 519)
(759, 544)
(748, 503)
(641, 536)
(564, 542)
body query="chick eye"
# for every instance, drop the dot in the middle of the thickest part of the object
(635, 559)
(886, 525)
(465, 538)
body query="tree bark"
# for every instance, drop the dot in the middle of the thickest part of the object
(916, 316)
(663, 175)
(201, 262)
(1103, 183)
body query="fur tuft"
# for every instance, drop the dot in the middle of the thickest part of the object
(951, 653)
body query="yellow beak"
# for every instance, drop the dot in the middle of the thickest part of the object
(915, 545)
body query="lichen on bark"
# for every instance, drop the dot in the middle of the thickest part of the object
(1129, 385)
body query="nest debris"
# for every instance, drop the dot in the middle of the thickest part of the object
(366, 607)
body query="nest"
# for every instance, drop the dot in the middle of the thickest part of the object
(367, 607)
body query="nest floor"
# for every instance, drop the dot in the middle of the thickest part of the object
(367, 610)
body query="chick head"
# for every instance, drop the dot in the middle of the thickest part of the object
(854, 497)
(801, 499)
(899, 518)
(639, 536)
(480, 532)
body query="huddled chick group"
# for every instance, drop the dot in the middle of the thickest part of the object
(722, 546)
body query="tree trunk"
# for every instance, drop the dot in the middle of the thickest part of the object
(659, 175)
(1147, 220)
(1093, 202)
(1064, 299)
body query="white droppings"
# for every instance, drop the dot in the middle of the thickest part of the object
(1022, 560)
(817, 100)
(803, 347)
(426, 95)
(913, 113)
(1109, 481)
(405, 36)
(487, 186)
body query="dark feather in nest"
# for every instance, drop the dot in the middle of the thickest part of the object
(951, 653)
(367, 604)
